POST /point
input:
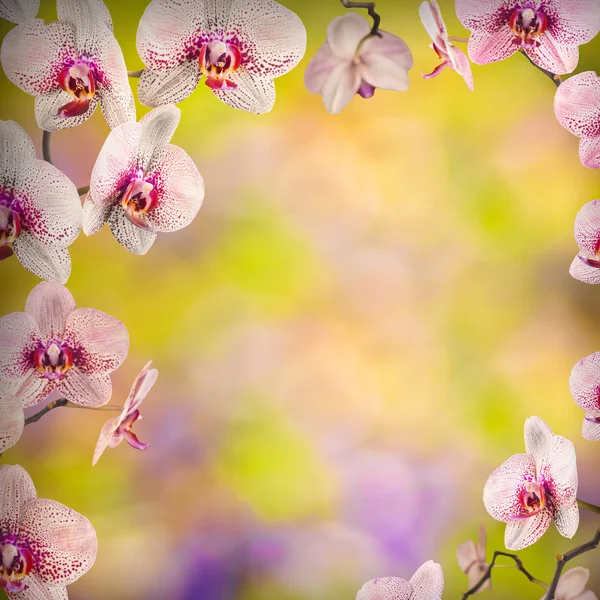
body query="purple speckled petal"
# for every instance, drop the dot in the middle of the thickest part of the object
(47, 106)
(320, 68)
(77, 12)
(108, 438)
(501, 491)
(385, 588)
(428, 582)
(591, 427)
(37, 589)
(16, 491)
(538, 439)
(522, 533)
(18, 340)
(585, 383)
(581, 270)
(63, 543)
(587, 229)
(566, 519)
(157, 88)
(255, 94)
(16, 150)
(35, 389)
(558, 471)
(19, 11)
(577, 104)
(553, 56)
(573, 22)
(139, 390)
(100, 343)
(50, 304)
(158, 127)
(589, 152)
(485, 48)
(485, 16)
(95, 215)
(51, 264)
(86, 390)
(12, 421)
(133, 238)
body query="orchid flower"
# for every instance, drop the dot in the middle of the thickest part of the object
(12, 421)
(426, 584)
(54, 346)
(548, 31)
(44, 546)
(239, 46)
(353, 61)
(118, 428)
(585, 388)
(586, 265)
(19, 11)
(451, 56)
(577, 108)
(40, 210)
(571, 586)
(141, 184)
(70, 66)
(472, 560)
(531, 490)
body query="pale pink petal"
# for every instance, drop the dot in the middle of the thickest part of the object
(139, 390)
(16, 490)
(133, 238)
(466, 554)
(12, 422)
(485, 48)
(320, 68)
(385, 588)
(428, 582)
(18, 340)
(553, 56)
(558, 470)
(62, 541)
(538, 438)
(484, 15)
(573, 22)
(341, 87)
(273, 37)
(482, 545)
(106, 439)
(432, 20)
(591, 427)
(254, 94)
(582, 271)
(585, 383)
(587, 228)
(587, 595)
(34, 389)
(461, 65)
(521, 533)
(50, 304)
(51, 264)
(95, 215)
(589, 152)
(476, 572)
(77, 12)
(37, 589)
(33, 52)
(577, 104)
(385, 62)
(572, 583)
(158, 127)
(19, 11)
(566, 519)
(344, 34)
(48, 105)
(100, 343)
(157, 88)
(86, 390)
(16, 150)
(501, 491)
(181, 192)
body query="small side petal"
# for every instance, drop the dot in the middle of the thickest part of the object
(489, 48)
(47, 107)
(86, 390)
(51, 264)
(587, 228)
(107, 435)
(320, 68)
(12, 422)
(553, 56)
(581, 270)
(522, 533)
(428, 582)
(50, 304)
(254, 94)
(158, 127)
(95, 215)
(16, 491)
(566, 519)
(135, 239)
(584, 383)
(538, 438)
(591, 427)
(157, 88)
(577, 104)
(589, 152)
(466, 554)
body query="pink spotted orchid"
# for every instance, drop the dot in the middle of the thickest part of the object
(586, 265)
(143, 185)
(531, 490)
(571, 586)
(426, 584)
(44, 546)
(238, 46)
(70, 66)
(54, 346)
(577, 108)
(40, 210)
(19, 11)
(12, 420)
(472, 560)
(585, 388)
(118, 428)
(450, 55)
(352, 61)
(548, 31)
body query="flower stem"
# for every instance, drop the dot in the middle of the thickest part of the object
(587, 506)
(555, 78)
(64, 402)
(46, 146)
(488, 574)
(370, 6)
(561, 561)
(135, 74)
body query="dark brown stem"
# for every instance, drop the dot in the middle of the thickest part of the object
(488, 574)
(555, 78)
(370, 6)
(135, 74)
(587, 506)
(46, 410)
(83, 190)
(46, 146)
(561, 561)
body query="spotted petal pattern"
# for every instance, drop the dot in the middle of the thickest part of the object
(19, 11)
(585, 389)
(12, 421)
(586, 265)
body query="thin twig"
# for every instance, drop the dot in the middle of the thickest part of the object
(46, 146)
(370, 6)
(561, 561)
(83, 190)
(488, 574)
(46, 410)
(587, 506)
(136, 74)
(555, 78)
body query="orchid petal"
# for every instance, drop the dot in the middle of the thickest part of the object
(341, 87)
(64, 540)
(553, 56)
(47, 107)
(581, 270)
(37, 589)
(19, 11)
(572, 583)
(12, 422)
(432, 20)
(577, 104)
(16, 491)
(133, 238)
(461, 64)
(50, 304)
(385, 62)
(18, 338)
(385, 588)
(466, 554)
(320, 68)
(157, 88)
(487, 16)
(574, 22)
(476, 572)
(345, 33)
(428, 582)
(589, 152)
(51, 264)
(587, 228)
(585, 383)
(158, 127)
(538, 438)
(140, 389)
(16, 150)
(566, 519)
(95, 215)
(107, 439)
(86, 390)
(76, 12)
(522, 533)
(254, 94)
(485, 48)
(591, 427)
(34, 389)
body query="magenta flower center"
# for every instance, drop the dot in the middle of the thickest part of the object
(218, 60)
(10, 229)
(532, 498)
(53, 360)
(527, 23)
(139, 199)
(15, 565)
(78, 81)
(125, 431)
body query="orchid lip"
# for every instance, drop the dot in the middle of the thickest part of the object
(10, 230)
(79, 81)
(53, 360)
(218, 60)
(527, 24)
(140, 198)
(15, 564)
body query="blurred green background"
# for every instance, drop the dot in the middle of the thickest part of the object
(350, 335)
